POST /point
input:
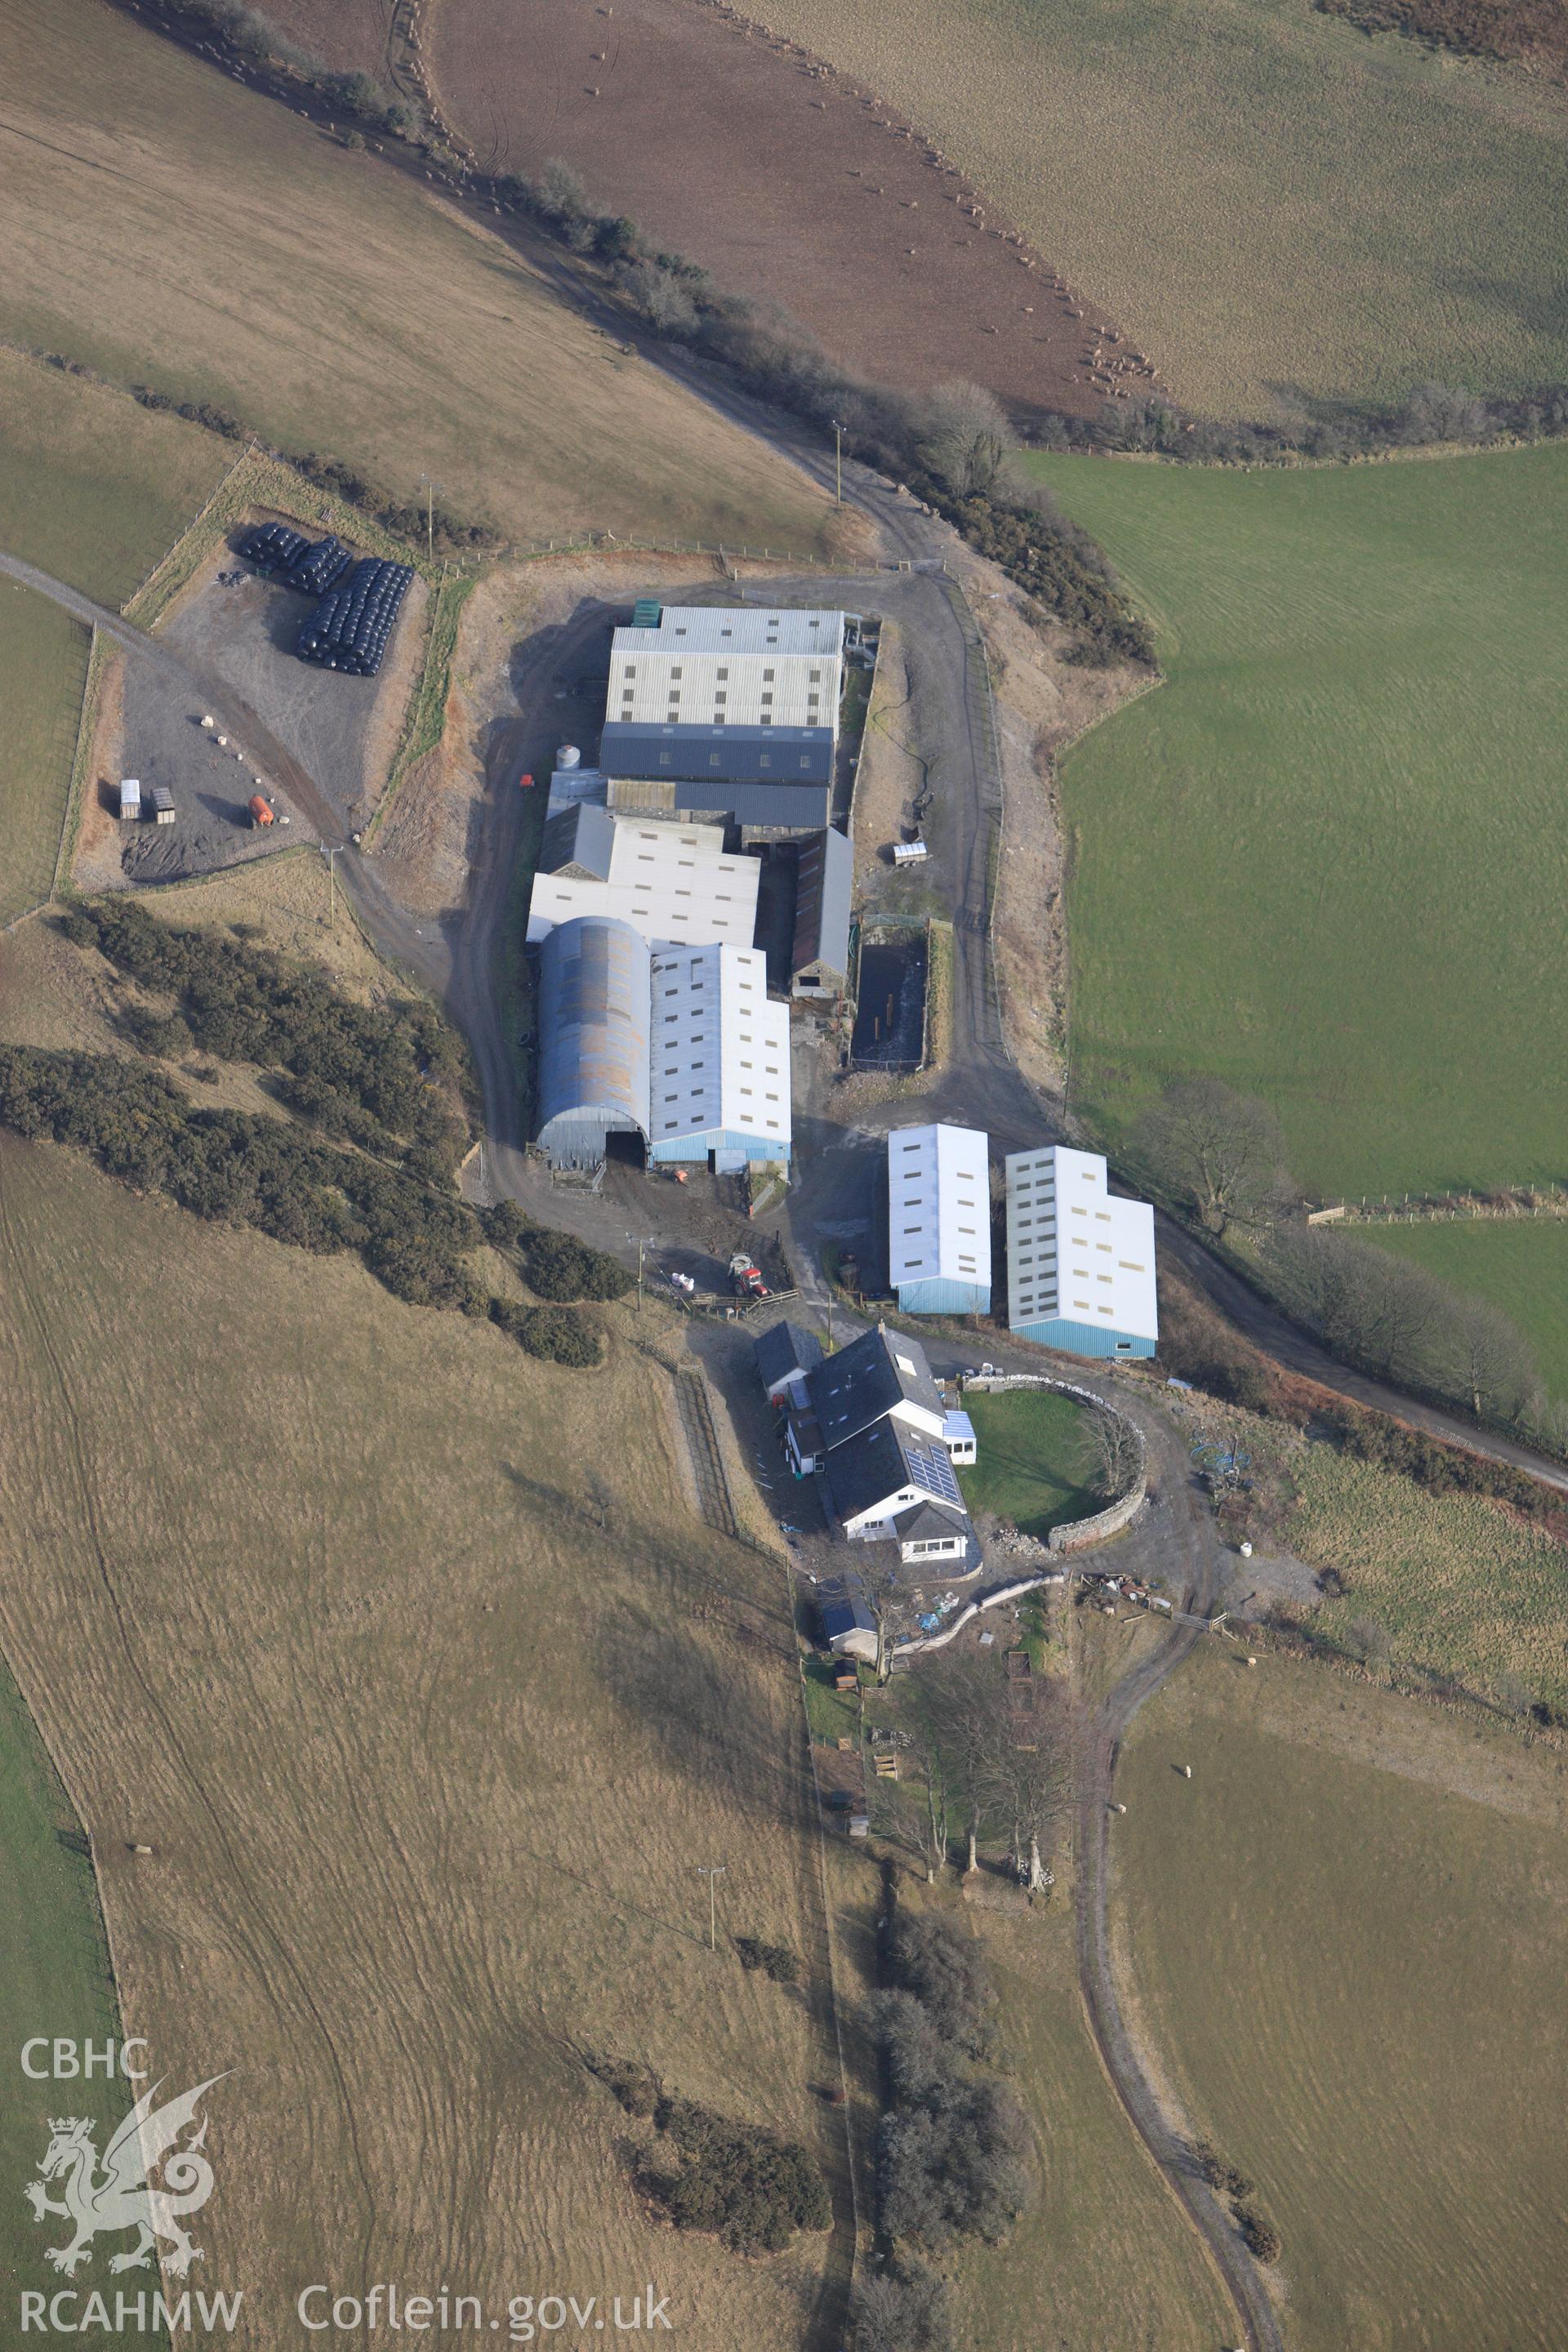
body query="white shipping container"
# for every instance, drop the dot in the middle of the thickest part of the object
(909, 853)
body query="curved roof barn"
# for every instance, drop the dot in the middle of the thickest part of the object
(594, 1003)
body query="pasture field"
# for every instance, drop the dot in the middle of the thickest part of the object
(1521, 1265)
(1261, 198)
(1032, 1458)
(43, 672)
(55, 1978)
(1325, 862)
(165, 225)
(1341, 1942)
(425, 1699)
(94, 489)
(1459, 1585)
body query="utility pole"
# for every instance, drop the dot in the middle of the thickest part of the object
(712, 1872)
(330, 856)
(641, 1242)
(837, 460)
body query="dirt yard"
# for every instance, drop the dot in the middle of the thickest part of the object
(343, 730)
(783, 178)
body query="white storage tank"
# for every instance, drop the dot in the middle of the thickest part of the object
(567, 756)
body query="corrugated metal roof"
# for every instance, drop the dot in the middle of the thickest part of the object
(583, 836)
(734, 628)
(939, 1204)
(1075, 1251)
(593, 1027)
(769, 755)
(824, 893)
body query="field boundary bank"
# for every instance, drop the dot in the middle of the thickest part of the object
(424, 720)
(81, 761)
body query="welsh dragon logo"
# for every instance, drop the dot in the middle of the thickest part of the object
(116, 2193)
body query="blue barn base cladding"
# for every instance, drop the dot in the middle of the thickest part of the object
(1083, 1338)
(938, 1297)
(690, 1148)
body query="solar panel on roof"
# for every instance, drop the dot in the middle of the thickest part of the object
(936, 1471)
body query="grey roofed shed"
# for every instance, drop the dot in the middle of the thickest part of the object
(595, 1001)
(740, 755)
(578, 840)
(783, 1352)
(819, 959)
(849, 1621)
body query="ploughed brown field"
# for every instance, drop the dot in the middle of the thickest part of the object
(788, 182)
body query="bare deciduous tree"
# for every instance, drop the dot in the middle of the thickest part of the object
(1222, 1150)
(1031, 1773)
(959, 1696)
(1118, 1453)
(964, 438)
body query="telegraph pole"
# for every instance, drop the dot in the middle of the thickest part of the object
(712, 1872)
(641, 1241)
(331, 854)
(837, 460)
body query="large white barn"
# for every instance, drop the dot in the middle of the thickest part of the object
(1080, 1260)
(939, 1219)
(719, 1060)
(676, 884)
(728, 666)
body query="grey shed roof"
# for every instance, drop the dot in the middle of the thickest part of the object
(845, 1608)
(823, 894)
(865, 1380)
(867, 1469)
(578, 840)
(722, 754)
(783, 1349)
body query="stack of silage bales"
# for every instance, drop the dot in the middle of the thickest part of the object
(321, 567)
(349, 626)
(273, 546)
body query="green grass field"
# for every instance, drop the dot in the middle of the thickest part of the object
(1325, 862)
(1032, 1460)
(1343, 1939)
(1521, 1265)
(54, 1978)
(166, 225)
(1259, 195)
(95, 489)
(43, 671)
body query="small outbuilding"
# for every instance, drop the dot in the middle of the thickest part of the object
(819, 958)
(785, 1355)
(130, 798)
(848, 1619)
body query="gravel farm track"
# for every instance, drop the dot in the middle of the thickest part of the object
(786, 181)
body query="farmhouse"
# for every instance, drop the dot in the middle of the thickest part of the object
(819, 957)
(718, 1058)
(1080, 1260)
(872, 1421)
(939, 1220)
(674, 884)
(888, 1487)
